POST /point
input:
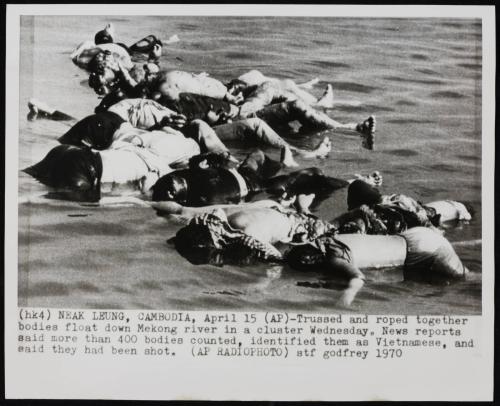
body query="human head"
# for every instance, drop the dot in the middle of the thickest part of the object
(170, 187)
(151, 72)
(360, 192)
(103, 78)
(194, 242)
(95, 131)
(68, 168)
(213, 160)
(103, 37)
(103, 83)
(236, 86)
(208, 244)
(305, 257)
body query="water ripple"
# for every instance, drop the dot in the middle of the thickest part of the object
(354, 87)
(448, 94)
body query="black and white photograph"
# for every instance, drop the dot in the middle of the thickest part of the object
(212, 202)
(325, 164)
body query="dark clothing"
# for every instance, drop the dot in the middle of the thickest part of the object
(95, 131)
(360, 192)
(195, 106)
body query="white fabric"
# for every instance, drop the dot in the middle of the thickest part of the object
(141, 113)
(241, 182)
(430, 250)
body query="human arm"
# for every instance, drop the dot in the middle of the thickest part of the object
(356, 278)
(154, 55)
(126, 77)
(170, 207)
(374, 179)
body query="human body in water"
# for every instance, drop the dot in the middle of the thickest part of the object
(251, 232)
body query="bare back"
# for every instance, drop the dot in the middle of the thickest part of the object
(265, 224)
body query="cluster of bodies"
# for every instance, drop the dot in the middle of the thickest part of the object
(163, 133)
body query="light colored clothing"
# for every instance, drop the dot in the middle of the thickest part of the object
(264, 95)
(175, 82)
(84, 53)
(407, 203)
(430, 250)
(134, 153)
(375, 251)
(141, 113)
(124, 165)
(419, 248)
(169, 144)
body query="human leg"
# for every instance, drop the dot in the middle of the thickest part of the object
(205, 136)
(38, 109)
(176, 82)
(291, 88)
(145, 45)
(310, 117)
(309, 84)
(428, 250)
(146, 113)
(258, 130)
(174, 208)
(330, 255)
(450, 210)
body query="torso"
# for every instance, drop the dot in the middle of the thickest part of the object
(169, 147)
(176, 82)
(88, 50)
(122, 166)
(265, 224)
(195, 106)
(210, 186)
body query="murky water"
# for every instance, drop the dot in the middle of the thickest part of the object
(421, 78)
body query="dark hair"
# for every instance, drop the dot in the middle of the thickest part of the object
(103, 37)
(95, 131)
(214, 160)
(194, 242)
(360, 192)
(99, 62)
(171, 183)
(68, 167)
(305, 258)
(236, 83)
(95, 80)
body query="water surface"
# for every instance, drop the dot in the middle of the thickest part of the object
(421, 78)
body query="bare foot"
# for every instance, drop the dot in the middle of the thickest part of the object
(310, 84)
(39, 109)
(287, 158)
(326, 100)
(287, 200)
(324, 148)
(367, 130)
(110, 29)
(33, 113)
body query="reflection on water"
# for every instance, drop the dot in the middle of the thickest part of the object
(420, 77)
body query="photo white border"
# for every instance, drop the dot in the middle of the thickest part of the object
(24, 379)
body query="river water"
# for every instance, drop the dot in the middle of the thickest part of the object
(421, 78)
